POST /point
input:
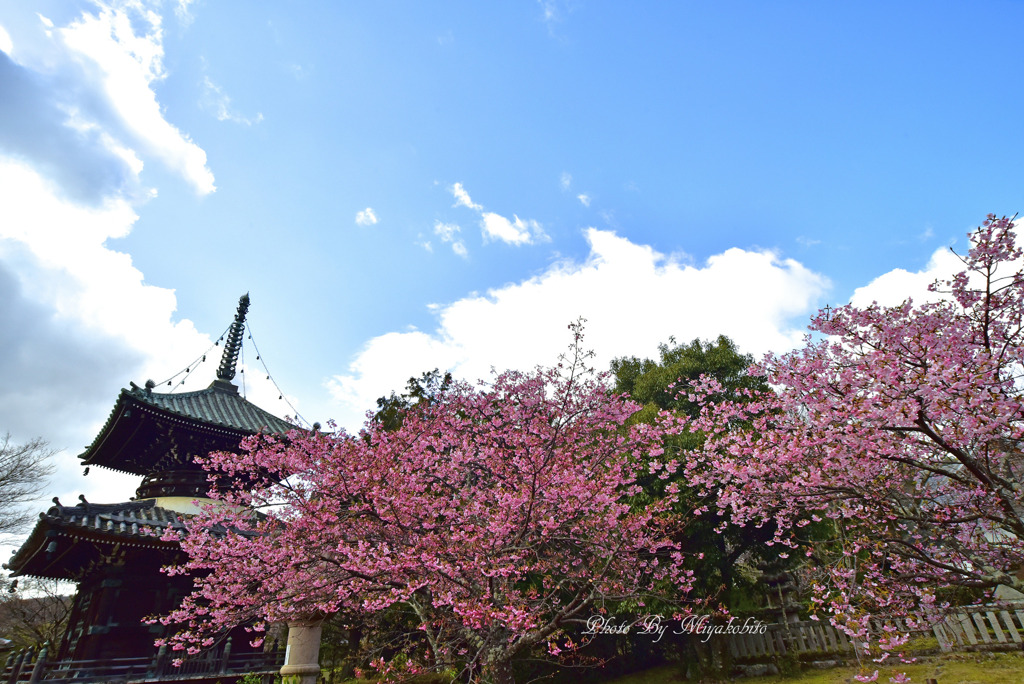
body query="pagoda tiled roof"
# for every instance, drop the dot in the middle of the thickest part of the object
(150, 432)
(130, 443)
(83, 530)
(128, 524)
(219, 404)
(119, 518)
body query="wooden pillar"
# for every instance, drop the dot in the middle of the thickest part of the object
(301, 656)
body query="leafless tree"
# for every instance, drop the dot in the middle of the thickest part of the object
(36, 612)
(24, 469)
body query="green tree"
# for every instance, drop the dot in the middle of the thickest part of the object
(420, 392)
(727, 571)
(656, 384)
(660, 386)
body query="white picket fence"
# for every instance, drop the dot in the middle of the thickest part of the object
(968, 628)
(982, 626)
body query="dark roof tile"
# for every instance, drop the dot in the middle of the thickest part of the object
(218, 404)
(119, 517)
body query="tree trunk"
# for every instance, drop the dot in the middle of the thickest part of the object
(499, 672)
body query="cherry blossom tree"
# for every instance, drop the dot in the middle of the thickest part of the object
(499, 514)
(904, 428)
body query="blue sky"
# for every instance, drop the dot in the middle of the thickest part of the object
(409, 185)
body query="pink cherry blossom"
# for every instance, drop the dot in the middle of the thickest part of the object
(498, 514)
(898, 433)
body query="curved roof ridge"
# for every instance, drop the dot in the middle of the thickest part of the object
(217, 406)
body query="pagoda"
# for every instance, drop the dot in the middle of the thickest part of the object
(114, 552)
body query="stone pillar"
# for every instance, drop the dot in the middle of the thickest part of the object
(301, 660)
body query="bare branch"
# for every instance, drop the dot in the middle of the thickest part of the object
(24, 469)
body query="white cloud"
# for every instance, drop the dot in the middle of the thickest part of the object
(892, 288)
(214, 99)
(553, 12)
(566, 180)
(632, 296)
(123, 65)
(80, 320)
(584, 199)
(462, 198)
(367, 217)
(448, 232)
(69, 182)
(85, 280)
(496, 227)
(549, 10)
(183, 11)
(514, 232)
(84, 303)
(6, 44)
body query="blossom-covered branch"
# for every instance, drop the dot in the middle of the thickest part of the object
(498, 512)
(903, 427)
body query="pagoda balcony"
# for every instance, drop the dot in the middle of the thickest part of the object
(215, 664)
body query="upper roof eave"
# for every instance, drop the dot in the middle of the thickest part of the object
(218, 408)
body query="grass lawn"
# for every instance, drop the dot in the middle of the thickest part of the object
(960, 668)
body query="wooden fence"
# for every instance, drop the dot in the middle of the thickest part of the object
(968, 628)
(996, 627)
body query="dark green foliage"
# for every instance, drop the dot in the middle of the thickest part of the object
(657, 384)
(351, 641)
(604, 658)
(661, 385)
(725, 559)
(420, 392)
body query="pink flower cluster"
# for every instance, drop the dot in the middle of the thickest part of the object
(498, 513)
(899, 435)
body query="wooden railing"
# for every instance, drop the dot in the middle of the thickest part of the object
(28, 667)
(791, 637)
(983, 627)
(967, 628)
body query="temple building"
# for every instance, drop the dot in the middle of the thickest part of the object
(114, 551)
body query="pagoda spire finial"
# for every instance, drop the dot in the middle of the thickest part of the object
(233, 345)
